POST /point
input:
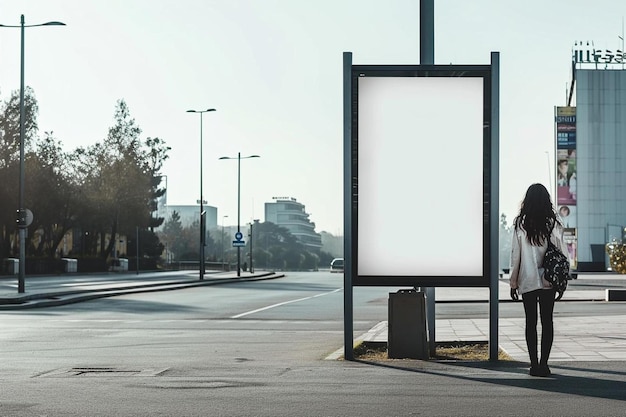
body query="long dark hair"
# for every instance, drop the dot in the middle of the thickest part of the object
(536, 216)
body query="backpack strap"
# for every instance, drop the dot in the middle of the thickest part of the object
(551, 230)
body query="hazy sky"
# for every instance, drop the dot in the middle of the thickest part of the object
(273, 71)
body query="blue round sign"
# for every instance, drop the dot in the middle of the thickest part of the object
(238, 236)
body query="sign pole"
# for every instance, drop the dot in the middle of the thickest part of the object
(427, 57)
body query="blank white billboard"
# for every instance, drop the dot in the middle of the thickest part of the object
(420, 176)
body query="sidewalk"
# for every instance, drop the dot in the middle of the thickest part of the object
(80, 288)
(594, 338)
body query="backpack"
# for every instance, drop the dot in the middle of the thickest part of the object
(556, 268)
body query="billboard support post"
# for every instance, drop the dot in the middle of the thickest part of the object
(348, 326)
(494, 265)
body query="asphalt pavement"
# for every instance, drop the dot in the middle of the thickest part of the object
(588, 359)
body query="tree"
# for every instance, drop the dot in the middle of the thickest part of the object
(99, 191)
(184, 243)
(294, 258)
(55, 214)
(119, 182)
(149, 245)
(326, 258)
(268, 234)
(10, 125)
(126, 191)
(190, 242)
(154, 156)
(172, 231)
(332, 244)
(275, 247)
(311, 261)
(10, 159)
(262, 258)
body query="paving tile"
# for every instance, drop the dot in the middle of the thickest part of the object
(575, 338)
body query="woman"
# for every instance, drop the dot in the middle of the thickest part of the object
(536, 223)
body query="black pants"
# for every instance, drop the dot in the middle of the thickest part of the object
(545, 299)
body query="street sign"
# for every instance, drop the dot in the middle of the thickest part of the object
(238, 243)
(24, 217)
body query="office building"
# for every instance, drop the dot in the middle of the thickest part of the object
(287, 212)
(591, 157)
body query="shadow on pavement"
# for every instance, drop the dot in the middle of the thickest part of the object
(585, 385)
(109, 305)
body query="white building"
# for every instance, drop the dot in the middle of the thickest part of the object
(288, 213)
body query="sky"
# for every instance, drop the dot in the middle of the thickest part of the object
(272, 69)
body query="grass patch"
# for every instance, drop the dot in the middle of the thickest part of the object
(453, 351)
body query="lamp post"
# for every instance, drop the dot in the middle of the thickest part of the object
(239, 158)
(21, 224)
(223, 217)
(202, 213)
(256, 221)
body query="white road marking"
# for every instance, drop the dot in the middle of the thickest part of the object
(247, 313)
(94, 285)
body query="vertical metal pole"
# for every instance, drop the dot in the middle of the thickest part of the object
(348, 317)
(427, 32)
(250, 236)
(494, 207)
(238, 211)
(222, 243)
(22, 227)
(137, 247)
(427, 57)
(201, 266)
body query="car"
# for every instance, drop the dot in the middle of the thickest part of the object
(336, 265)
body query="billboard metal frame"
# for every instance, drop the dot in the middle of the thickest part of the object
(490, 195)
(448, 71)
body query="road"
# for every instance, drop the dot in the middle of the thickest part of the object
(252, 349)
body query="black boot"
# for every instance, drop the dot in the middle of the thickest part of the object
(534, 370)
(534, 365)
(543, 370)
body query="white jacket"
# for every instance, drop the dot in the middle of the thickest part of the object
(526, 260)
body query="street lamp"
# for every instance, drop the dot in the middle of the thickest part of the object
(21, 224)
(202, 213)
(239, 158)
(223, 217)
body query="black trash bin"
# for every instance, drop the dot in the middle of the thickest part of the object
(406, 333)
